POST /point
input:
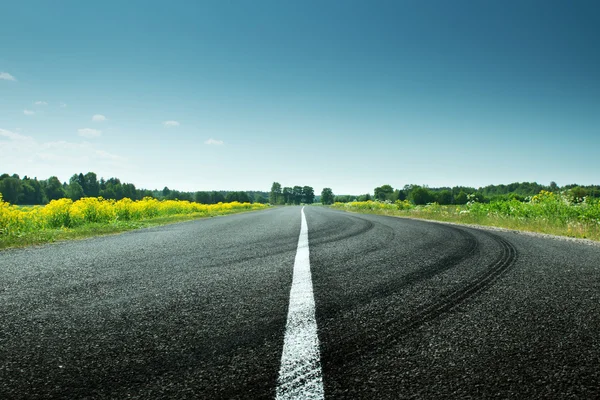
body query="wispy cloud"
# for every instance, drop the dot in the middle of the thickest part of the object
(98, 118)
(171, 124)
(63, 105)
(40, 103)
(29, 156)
(14, 136)
(89, 133)
(28, 112)
(215, 142)
(7, 77)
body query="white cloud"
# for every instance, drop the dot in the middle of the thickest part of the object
(63, 105)
(14, 136)
(170, 124)
(89, 133)
(215, 142)
(40, 103)
(27, 156)
(98, 118)
(7, 77)
(28, 112)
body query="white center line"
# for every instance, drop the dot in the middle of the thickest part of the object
(300, 374)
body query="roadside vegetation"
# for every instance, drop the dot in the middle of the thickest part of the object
(559, 213)
(91, 216)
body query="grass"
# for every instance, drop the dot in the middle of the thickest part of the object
(570, 220)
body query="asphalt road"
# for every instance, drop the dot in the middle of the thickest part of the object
(404, 309)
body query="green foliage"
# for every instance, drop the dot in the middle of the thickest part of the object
(297, 194)
(308, 195)
(327, 196)
(275, 196)
(344, 198)
(385, 192)
(11, 189)
(421, 196)
(75, 191)
(545, 212)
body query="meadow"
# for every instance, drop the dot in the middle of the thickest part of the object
(90, 216)
(546, 212)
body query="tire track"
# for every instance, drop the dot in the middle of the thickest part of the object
(467, 248)
(386, 334)
(506, 259)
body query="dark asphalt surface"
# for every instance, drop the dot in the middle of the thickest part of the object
(404, 309)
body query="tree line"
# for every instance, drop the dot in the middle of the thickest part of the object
(31, 191)
(298, 195)
(421, 195)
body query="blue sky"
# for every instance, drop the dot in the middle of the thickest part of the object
(342, 94)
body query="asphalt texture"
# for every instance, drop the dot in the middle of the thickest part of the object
(404, 309)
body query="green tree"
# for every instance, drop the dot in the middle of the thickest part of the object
(444, 197)
(420, 196)
(308, 195)
(288, 195)
(461, 198)
(129, 191)
(297, 194)
(242, 197)
(202, 197)
(91, 186)
(259, 198)
(327, 196)
(216, 197)
(11, 189)
(385, 192)
(74, 190)
(54, 189)
(275, 194)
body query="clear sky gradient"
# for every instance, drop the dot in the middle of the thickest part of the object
(342, 94)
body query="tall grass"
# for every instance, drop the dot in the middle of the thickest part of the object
(546, 212)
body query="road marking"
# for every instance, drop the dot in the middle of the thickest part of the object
(300, 374)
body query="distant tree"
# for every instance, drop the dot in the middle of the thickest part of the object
(32, 192)
(421, 196)
(166, 192)
(297, 194)
(242, 197)
(275, 194)
(91, 186)
(258, 198)
(288, 195)
(345, 198)
(444, 197)
(400, 194)
(461, 198)
(385, 192)
(327, 196)
(54, 189)
(577, 194)
(308, 195)
(129, 191)
(11, 189)
(202, 197)
(216, 197)
(364, 197)
(74, 190)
